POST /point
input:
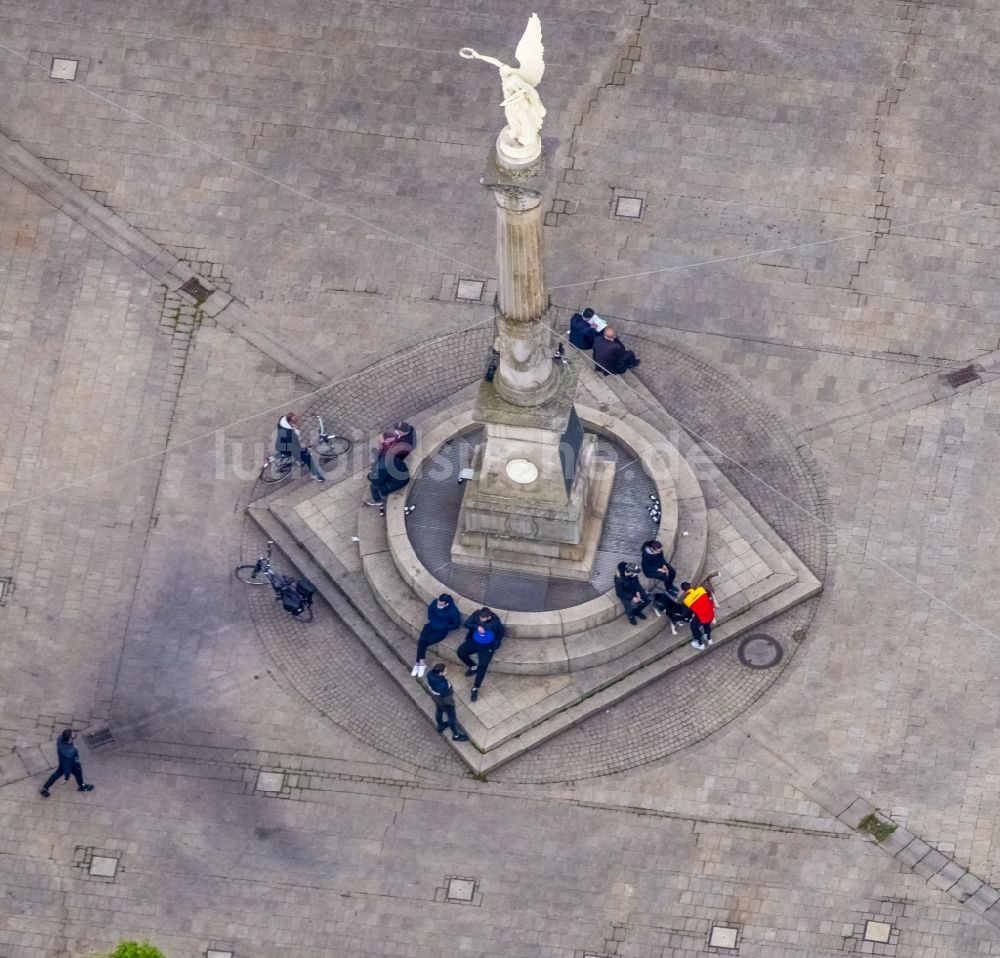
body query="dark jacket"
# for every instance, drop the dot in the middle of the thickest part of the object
(611, 354)
(68, 756)
(651, 563)
(389, 474)
(626, 586)
(493, 624)
(581, 333)
(439, 685)
(287, 442)
(445, 619)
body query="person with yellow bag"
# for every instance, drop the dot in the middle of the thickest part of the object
(700, 601)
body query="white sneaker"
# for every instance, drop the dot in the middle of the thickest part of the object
(415, 671)
(708, 641)
(421, 670)
(698, 645)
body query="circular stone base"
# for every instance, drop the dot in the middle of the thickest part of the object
(438, 498)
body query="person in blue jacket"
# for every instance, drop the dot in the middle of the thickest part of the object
(581, 332)
(69, 764)
(484, 637)
(442, 617)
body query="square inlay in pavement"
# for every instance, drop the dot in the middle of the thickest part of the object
(629, 207)
(270, 781)
(103, 866)
(722, 936)
(878, 931)
(63, 68)
(461, 889)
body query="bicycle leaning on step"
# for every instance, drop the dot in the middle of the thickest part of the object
(295, 595)
(328, 447)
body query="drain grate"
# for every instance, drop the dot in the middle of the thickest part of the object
(99, 739)
(967, 374)
(6, 588)
(194, 289)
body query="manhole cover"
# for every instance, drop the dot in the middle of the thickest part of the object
(760, 652)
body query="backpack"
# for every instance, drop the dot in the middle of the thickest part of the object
(306, 590)
(291, 601)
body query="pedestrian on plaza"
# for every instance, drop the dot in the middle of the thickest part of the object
(611, 356)
(655, 565)
(629, 590)
(289, 443)
(700, 601)
(444, 703)
(484, 637)
(581, 332)
(442, 617)
(69, 764)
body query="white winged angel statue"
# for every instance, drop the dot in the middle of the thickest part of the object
(521, 102)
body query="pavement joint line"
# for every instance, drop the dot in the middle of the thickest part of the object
(136, 247)
(914, 854)
(412, 789)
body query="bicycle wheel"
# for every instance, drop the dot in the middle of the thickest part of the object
(276, 469)
(251, 575)
(329, 447)
(306, 615)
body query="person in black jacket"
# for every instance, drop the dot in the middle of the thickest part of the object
(655, 565)
(633, 596)
(442, 617)
(69, 764)
(484, 637)
(389, 473)
(581, 332)
(444, 703)
(611, 356)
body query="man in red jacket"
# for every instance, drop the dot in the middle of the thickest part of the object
(701, 602)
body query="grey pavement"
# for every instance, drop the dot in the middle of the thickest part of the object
(860, 132)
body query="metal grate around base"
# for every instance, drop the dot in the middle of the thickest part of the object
(438, 498)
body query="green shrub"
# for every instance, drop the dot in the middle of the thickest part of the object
(135, 949)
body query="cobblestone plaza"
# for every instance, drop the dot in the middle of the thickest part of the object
(787, 208)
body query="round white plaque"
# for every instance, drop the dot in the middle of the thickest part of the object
(522, 470)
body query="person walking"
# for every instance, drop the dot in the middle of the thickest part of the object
(442, 617)
(655, 565)
(69, 764)
(444, 703)
(289, 443)
(611, 356)
(629, 590)
(484, 637)
(700, 601)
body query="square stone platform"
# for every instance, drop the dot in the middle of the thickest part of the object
(760, 577)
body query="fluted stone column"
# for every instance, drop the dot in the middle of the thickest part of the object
(526, 375)
(539, 494)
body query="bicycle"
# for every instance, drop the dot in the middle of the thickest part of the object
(295, 595)
(278, 466)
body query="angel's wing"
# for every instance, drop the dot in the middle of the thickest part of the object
(530, 52)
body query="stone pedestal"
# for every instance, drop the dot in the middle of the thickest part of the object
(539, 496)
